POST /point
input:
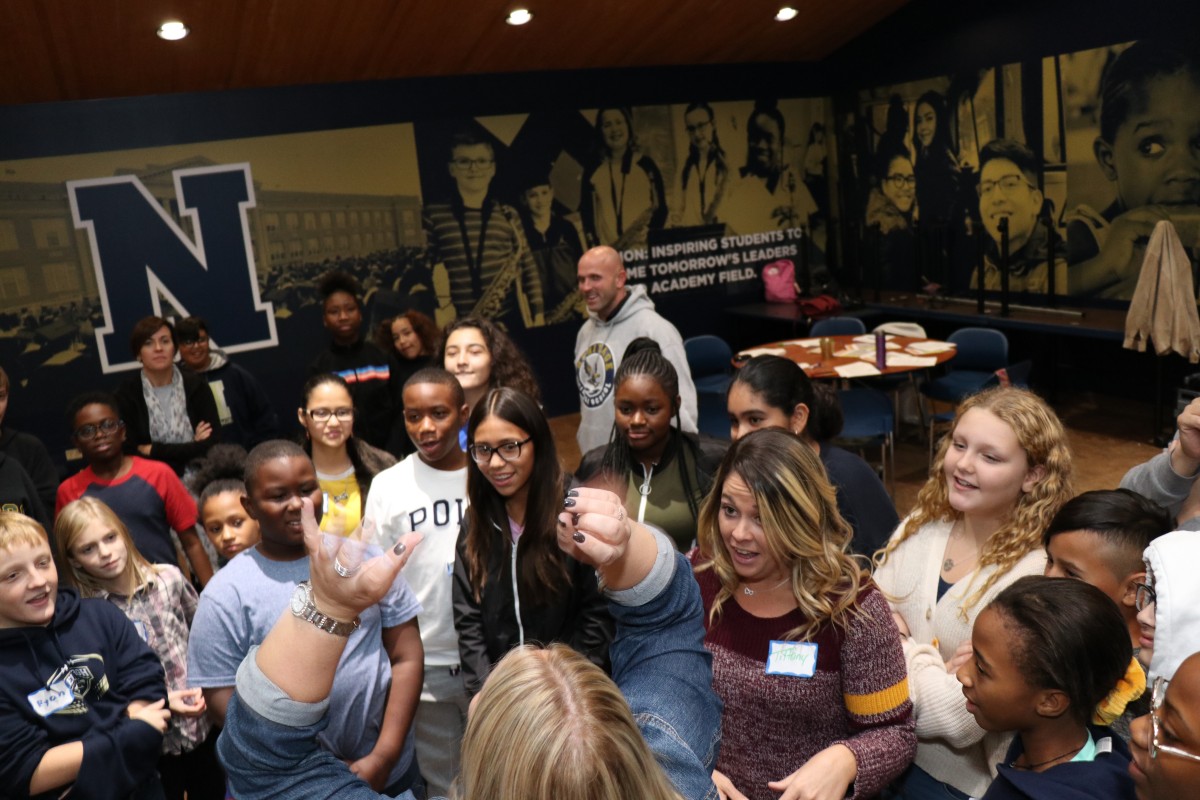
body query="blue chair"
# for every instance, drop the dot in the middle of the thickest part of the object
(837, 326)
(981, 351)
(710, 361)
(869, 420)
(714, 415)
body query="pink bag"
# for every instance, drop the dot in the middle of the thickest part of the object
(779, 281)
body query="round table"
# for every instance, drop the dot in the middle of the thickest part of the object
(852, 350)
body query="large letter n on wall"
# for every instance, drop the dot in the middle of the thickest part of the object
(141, 256)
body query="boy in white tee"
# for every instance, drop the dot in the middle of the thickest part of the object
(427, 492)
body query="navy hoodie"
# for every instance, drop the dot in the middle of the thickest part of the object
(93, 650)
(1105, 778)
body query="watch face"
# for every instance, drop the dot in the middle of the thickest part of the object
(300, 599)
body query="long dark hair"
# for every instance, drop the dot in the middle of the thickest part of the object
(941, 129)
(1066, 635)
(643, 358)
(541, 576)
(510, 367)
(782, 384)
(363, 473)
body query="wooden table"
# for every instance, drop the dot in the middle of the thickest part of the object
(851, 350)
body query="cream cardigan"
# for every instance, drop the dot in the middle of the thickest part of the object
(950, 746)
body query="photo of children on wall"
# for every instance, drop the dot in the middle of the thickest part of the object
(1133, 149)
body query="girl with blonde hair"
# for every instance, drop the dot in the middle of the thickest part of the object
(797, 631)
(565, 712)
(999, 478)
(103, 562)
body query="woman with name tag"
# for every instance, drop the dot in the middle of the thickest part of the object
(805, 657)
(999, 478)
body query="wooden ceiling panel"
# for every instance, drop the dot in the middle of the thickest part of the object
(53, 50)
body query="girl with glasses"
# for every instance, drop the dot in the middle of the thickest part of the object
(1166, 742)
(1169, 603)
(890, 205)
(345, 465)
(512, 584)
(1051, 661)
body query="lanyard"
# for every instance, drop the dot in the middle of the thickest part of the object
(474, 261)
(618, 205)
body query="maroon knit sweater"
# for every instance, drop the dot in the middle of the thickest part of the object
(773, 724)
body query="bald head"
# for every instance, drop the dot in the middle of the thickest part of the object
(602, 280)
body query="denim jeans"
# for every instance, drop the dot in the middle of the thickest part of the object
(917, 784)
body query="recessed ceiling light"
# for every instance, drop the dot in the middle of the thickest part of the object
(172, 31)
(519, 16)
(785, 13)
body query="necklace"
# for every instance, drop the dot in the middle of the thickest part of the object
(1070, 752)
(751, 592)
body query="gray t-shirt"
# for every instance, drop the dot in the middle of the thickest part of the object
(242, 603)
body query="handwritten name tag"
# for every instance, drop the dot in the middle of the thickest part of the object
(54, 697)
(797, 659)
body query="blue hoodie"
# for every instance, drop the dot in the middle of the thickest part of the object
(1104, 778)
(94, 651)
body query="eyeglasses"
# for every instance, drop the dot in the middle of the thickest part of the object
(1008, 183)
(899, 181)
(85, 433)
(193, 342)
(323, 414)
(477, 163)
(1145, 596)
(509, 451)
(1156, 701)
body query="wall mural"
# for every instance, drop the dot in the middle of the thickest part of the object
(1078, 155)
(482, 215)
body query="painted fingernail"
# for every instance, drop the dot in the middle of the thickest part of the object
(579, 537)
(574, 519)
(573, 493)
(569, 502)
(399, 548)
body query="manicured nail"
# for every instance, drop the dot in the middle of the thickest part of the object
(573, 493)
(579, 537)
(399, 548)
(574, 519)
(570, 501)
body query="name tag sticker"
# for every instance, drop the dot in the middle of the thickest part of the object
(54, 697)
(797, 659)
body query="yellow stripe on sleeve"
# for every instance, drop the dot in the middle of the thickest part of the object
(881, 702)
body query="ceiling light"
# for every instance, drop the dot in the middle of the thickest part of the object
(519, 16)
(785, 13)
(172, 31)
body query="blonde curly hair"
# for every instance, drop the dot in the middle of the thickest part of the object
(803, 530)
(1041, 435)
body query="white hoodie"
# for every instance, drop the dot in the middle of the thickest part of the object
(598, 351)
(1173, 560)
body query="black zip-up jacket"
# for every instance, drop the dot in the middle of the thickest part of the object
(487, 630)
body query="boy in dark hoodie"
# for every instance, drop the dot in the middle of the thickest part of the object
(82, 697)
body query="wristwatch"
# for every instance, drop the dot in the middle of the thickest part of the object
(304, 608)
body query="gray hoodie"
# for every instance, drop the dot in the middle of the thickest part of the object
(598, 351)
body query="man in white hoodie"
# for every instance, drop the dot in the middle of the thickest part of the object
(1169, 614)
(618, 314)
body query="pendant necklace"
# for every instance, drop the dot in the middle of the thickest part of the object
(751, 592)
(1027, 767)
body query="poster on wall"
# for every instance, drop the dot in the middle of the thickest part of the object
(1133, 158)
(449, 217)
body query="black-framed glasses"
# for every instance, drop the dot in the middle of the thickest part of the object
(1008, 183)
(899, 181)
(85, 433)
(477, 163)
(323, 414)
(1156, 700)
(1144, 595)
(509, 451)
(193, 342)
